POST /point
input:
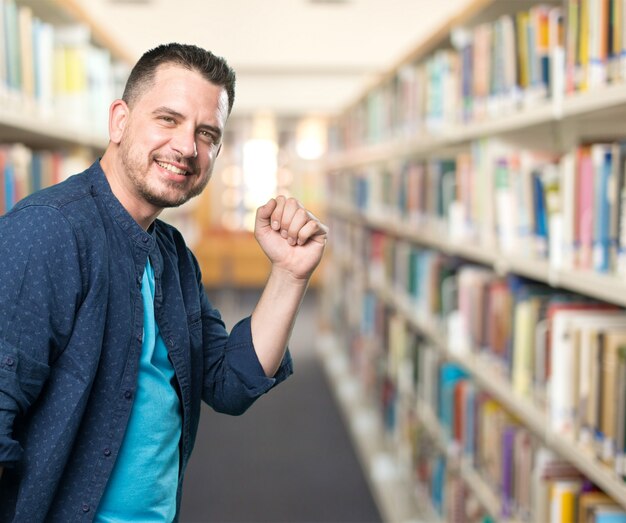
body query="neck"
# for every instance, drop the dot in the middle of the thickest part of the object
(142, 212)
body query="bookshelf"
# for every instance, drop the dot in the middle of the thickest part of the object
(457, 185)
(58, 74)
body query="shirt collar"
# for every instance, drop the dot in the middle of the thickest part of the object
(100, 187)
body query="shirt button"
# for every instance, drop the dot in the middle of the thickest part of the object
(85, 508)
(128, 394)
(140, 337)
(145, 239)
(10, 362)
(107, 452)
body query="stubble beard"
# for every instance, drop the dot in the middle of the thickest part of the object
(137, 173)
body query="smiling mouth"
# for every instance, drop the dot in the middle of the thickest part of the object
(173, 169)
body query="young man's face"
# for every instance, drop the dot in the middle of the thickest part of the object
(173, 136)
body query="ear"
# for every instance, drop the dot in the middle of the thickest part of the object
(118, 118)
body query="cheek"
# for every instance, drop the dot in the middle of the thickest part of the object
(208, 156)
(150, 139)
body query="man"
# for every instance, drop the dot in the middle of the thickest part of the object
(107, 340)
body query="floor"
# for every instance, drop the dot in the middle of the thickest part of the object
(289, 458)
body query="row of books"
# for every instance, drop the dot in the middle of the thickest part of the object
(55, 71)
(23, 171)
(530, 483)
(562, 351)
(569, 209)
(405, 369)
(495, 68)
(443, 425)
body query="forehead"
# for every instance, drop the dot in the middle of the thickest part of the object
(181, 88)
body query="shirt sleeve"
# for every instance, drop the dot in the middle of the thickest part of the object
(233, 375)
(39, 293)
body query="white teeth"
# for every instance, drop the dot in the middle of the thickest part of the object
(172, 168)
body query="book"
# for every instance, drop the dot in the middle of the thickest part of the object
(597, 74)
(508, 470)
(569, 208)
(583, 40)
(3, 55)
(609, 515)
(614, 44)
(571, 39)
(620, 430)
(556, 45)
(12, 46)
(602, 159)
(619, 208)
(505, 206)
(565, 366)
(588, 502)
(563, 501)
(586, 208)
(449, 375)
(612, 342)
(43, 61)
(27, 71)
(526, 317)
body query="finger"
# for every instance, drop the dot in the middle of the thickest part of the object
(299, 220)
(291, 207)
(313, 230)
(264, 213)
(277, 214)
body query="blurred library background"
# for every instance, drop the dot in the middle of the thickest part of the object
(461, 353)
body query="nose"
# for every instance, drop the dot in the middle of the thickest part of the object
(184, 143)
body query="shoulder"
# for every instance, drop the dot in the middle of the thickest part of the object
(49, 216)
(59, 196)
(70, 202)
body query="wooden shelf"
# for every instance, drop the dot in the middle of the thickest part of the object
(22, 120)
(394, 493)
(573, 110)
(556, 125)
(20, 124)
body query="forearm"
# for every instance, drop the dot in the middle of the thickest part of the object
(274, 317)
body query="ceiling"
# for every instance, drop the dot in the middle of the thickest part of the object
(292, 57)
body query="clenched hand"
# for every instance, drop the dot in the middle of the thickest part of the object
(292, 238)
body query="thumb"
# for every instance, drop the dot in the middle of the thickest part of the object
(264, 213)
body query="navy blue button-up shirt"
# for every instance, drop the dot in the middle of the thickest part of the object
(71, 261)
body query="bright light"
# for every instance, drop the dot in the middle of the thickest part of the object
(311, 136)
(259, 170)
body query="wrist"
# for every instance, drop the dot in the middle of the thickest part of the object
(287, 277)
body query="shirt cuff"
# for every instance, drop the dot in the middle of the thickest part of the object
(245, 362)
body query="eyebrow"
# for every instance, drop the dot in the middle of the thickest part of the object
(205, 127)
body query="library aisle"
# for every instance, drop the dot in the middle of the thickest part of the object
(289, 458)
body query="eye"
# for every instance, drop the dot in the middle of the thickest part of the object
(167, 119)
(207, 136)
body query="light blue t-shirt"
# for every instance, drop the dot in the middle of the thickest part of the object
(143, 484)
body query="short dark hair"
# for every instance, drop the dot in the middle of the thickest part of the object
(213, 68)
